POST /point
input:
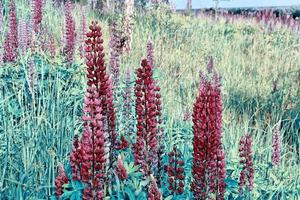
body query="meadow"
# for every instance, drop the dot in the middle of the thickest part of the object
(233, 80)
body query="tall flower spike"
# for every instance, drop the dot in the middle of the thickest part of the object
(95, 60)
(247, 173)
(150, 53)
(23, 36)
(154, 193)
(37, 14)
(276, 145)
(146, 112)
(60, 180)
(70, 34)
(128, 125)
(208, 169)
(11, 40)
(160, 134)
(120, 170)
(82, 32)
(175, 172)
(115, 51)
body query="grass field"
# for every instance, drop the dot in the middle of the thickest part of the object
(260, 72)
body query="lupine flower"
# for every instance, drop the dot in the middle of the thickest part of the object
(60, 180)
(141, 155)
(146, 112)
(128, 24)
(127, 95)
(150, 53)
(82, 32)
(11, 40)
(37, 15)
(70, 34)
(92, 151)
(115, 51)
(75, 158)
(154, 193)
(247, 173)
(94, 52)
(120, 170)
(175, 172)
(24, 35)
(160, 134)
(276, 145)
(208, 169)
(122, 144)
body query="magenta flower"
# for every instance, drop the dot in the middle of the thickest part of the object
(24, 36)
(175, 172)
(11, 40)
(150, 53)
(82, 32)
(208, 169)
(120, 170)
(60, 180)
(154, 193)
(115, 52)
(70, 34)
(247, 173)
(276, 145)
(146, 111)
(127, 95)
(37, 15)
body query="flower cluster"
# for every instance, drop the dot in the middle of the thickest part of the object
(24, 36)
(60, 180)
(37, 15)
(127, 95)
(115, 51)
(150, 53)
(208, 169)
(245, 154)
(154, 193)
(276, 145)
(269, 19)
(122, 144)
(11, 40)
(82, 32)
(120, 170)
(70, 34)
(146, 111)
(89, 155)
(175, 172)
(160, 133)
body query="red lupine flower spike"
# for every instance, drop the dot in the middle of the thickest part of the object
(120, 170)
(11, 39)
(70, 34)
(247, 173)
(208, 168)
(60, 180)
(276, 145)
(154, 193)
